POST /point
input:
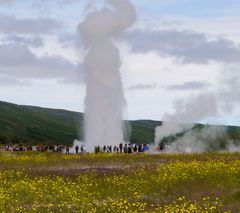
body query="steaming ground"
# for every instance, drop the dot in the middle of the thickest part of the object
(104, 92)
(188, 138)
(213, 103)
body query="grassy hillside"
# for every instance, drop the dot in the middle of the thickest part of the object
(28, 124)
(142, 131)
(20, 124)
(38, 124)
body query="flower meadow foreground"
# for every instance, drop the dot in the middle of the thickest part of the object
(49, 182)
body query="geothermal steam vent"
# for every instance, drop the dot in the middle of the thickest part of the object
(104, 92)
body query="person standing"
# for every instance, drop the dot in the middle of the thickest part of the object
(67, 149)
(139, 148)
(135, 148)
(82, 148)
(129, 149)
(121, 147)
(76, 149)
(125, 149)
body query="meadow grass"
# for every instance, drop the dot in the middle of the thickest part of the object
(49, 182)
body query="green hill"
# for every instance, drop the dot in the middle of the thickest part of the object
(35, 124)
(28, 124)
(142, 131)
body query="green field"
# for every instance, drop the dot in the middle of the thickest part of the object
(49, 182)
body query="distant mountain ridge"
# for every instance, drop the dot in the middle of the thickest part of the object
(30, 124)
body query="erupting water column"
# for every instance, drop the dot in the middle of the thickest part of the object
(104, 92)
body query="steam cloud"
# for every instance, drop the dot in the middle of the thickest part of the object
(104, 93)
(196, 108)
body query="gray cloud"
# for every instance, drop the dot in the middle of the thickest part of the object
(166, 69)
(37, 3)
(188, 46)
(8, 81)
(6, 2)
(10, 25)
(35, 41)
(72, 40)
(17, 62)
(142, 87)
(191, 85)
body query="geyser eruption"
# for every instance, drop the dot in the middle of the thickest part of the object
(104, 92)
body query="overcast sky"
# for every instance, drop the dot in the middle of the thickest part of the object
(177, 49)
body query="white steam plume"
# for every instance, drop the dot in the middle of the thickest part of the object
(104, 92)
(196, 108)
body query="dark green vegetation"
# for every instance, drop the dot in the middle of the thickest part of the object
(142, 131)
(27, 124)
(19, 124)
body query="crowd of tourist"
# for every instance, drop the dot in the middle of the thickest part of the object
(121, 148)
(39, 148)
